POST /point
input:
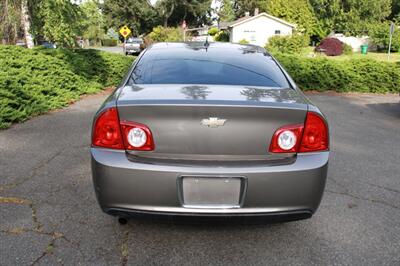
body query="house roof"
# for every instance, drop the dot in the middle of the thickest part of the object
(226, 24)
(242, 20)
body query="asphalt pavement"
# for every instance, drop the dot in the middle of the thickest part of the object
(49, 214)
(110, 49)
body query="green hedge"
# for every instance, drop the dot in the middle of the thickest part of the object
(165, 34)
(290, 44)
(35, 81)
(109, 42)
(354, 75)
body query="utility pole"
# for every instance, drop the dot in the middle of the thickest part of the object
(184, 27)
(26, 24)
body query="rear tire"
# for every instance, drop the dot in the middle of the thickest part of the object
(126, 53)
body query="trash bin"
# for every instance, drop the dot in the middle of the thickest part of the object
(364, 49)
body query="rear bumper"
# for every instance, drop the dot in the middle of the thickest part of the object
(132, 50)
(132, 188)
(213, 217)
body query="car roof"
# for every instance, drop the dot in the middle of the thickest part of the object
(212, 49)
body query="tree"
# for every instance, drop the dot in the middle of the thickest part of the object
(166, 9)
(243, 6)
(329, 13)
(298, 12)
(26, 24)
(57, 21)
(93, 21)
(194, 12)
(379, 34)
(139, 15)
(226, 11)
(10, 20)
(395, 13)
(351, 16)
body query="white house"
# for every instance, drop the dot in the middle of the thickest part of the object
(354, 42)
(257, 29)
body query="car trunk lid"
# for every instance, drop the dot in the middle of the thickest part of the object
(211, 122)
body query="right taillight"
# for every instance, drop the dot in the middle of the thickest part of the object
(310, 137)
(315, 134)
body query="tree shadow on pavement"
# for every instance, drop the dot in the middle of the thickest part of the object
(392, 109)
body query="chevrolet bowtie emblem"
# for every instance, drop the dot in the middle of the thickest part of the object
(213, 122)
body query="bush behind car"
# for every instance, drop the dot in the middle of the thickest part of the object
(35, 81)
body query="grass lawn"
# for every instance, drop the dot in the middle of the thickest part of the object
(394, 57)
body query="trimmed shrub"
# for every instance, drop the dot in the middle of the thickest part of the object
(331, 47)
(244, 41)
(38, 80)
(354, 75)
(109, 42)
(213, 31)
(222, 36)
(347, 49)
(161, 34)
(287, 44)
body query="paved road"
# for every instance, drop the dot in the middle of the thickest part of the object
(49, 215)
(111, 49)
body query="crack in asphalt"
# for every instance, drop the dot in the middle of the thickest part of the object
(347, 193)
(337, 182)
(49, 250)
(37, 226)
(364, 199)
(382, 187)
(32, 174)
(39, 166)
(14, 200)
(124, 248)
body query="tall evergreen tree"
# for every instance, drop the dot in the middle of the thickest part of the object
(93, 21)
(299, 12)
(226, 11)
(243, 6)
(194, 12)
(395, 13)
(351, 16)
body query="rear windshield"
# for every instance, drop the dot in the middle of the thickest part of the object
(256, 71)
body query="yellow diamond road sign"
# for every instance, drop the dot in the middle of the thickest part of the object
(125, 31)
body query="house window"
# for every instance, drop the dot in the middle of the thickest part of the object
(277, 32)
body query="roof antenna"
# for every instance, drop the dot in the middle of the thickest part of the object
(206, 44)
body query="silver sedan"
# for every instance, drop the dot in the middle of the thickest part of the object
(209, 129)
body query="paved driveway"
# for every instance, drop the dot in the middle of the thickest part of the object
(110, 49)
(49, 215)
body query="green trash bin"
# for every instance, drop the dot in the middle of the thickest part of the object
(364, 49)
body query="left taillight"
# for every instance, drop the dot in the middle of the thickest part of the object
(109, 132)
(137, 136)
(106, 131)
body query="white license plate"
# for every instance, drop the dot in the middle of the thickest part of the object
(211, 192)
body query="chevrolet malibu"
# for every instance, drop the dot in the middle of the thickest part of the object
(209, 129)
